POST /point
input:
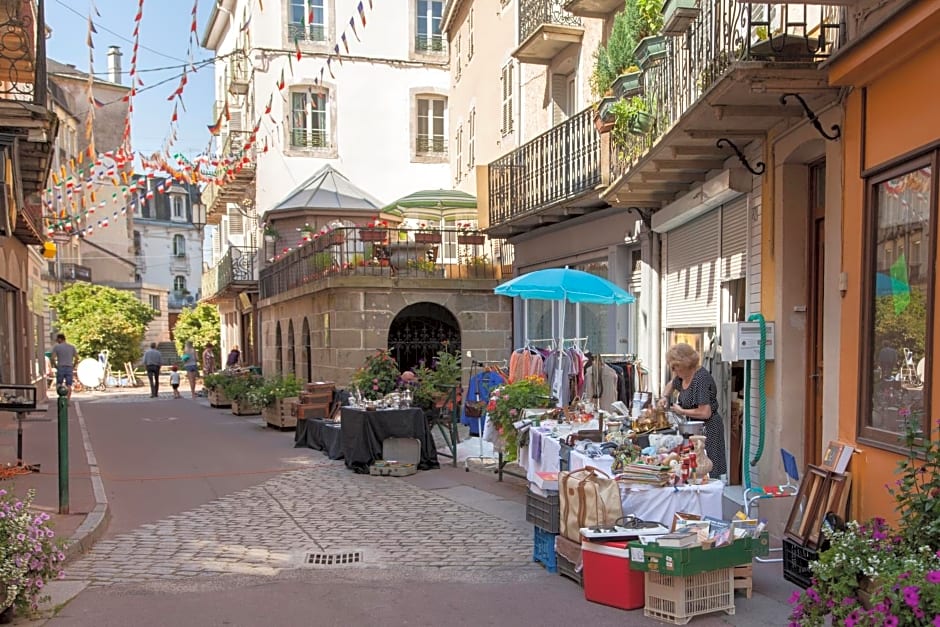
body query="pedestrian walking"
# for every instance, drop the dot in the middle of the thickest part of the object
(234, 357)
(208, 359)
(152, 362)
(63, 356)
(191, 367)
(175, 381)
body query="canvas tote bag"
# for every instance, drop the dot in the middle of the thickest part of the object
(587, 497)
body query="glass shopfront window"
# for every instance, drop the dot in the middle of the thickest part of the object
(899, 308)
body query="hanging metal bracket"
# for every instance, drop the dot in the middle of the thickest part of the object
(811, 115)
(756, 169)
(645, 214)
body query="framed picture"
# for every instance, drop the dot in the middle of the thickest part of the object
(836, 496)
(805, 515)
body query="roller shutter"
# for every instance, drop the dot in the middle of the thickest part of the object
(691, 290)
(734, 239)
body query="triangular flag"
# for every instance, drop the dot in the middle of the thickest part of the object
(329, 67)
(297, 45)
(352, 24)
(338, 55)
(280, 82)
(362, 12)
(345, 43)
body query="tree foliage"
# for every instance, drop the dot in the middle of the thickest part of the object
(906, 328)
(96, 317)
(638, 19)
(199, 325)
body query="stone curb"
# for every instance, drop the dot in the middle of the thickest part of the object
(96, 521)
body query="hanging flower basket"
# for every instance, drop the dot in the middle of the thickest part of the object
(628, 84)
(337, 238)
(678, 16)
(373, 235)
(641, 123)
(428, 238)
(472, 239)
(650, 50)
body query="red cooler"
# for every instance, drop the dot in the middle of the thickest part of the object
(607, 576)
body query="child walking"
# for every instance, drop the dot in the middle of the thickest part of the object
(175, 381)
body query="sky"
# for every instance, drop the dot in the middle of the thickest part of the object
(164, 41)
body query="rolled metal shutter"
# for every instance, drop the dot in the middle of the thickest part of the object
(734, 239)
(691, 290)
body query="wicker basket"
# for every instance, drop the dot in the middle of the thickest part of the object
(677, 600)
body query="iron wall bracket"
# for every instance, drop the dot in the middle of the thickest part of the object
(813, 118)
(757, 169)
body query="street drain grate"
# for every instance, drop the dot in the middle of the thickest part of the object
(333, 559)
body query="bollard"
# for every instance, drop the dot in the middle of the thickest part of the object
(63, 449)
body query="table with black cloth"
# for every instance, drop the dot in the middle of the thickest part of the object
(320, 435)
(363, 432)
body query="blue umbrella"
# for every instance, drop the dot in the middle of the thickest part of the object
(565, 284)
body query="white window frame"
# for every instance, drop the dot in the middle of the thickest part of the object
(429, 40)
(179, 245)
(307, 30)
(179, 284)
(312, 137)
(507, 121)
(427, 142)
(177, 208)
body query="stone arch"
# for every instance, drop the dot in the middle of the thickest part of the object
(291, 363)
(307, 353)
(419, 331)
(278, 350)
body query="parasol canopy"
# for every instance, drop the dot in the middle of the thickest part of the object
(568, 284)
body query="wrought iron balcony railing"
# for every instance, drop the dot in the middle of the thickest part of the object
(387, 252)
(306, 32)
(429, 43)
(179, 300)
(728, 32)
(534, 13)
(431, 145)
(22, 53)
(237, 265)
(314, 138)
(559, 164)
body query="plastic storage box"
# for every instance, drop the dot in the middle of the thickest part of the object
(796, 561)
(692, 560)
(677, 600)
(568, 559)
(543, 549)
(543, 511)
(607, 576)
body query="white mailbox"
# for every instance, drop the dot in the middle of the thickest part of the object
(741, 341)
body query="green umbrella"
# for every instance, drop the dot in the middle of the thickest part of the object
(434, 203)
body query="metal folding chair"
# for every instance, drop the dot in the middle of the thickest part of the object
(752, 496)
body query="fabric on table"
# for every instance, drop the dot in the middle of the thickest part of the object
(549, 459)
(535, 444)
(661, 504)
(363, 432)
(320, 436)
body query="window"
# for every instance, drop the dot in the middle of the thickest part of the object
(457, 63)
(307, 20)
(179, 284)
(506, 80)
(155, 302)
(470, 35)
(459, 142)
(898, 310)
(428, 32)
(179, 208)
(432, 125)
(138, 244)
(471, 139)
(179, 246)
(309, 120)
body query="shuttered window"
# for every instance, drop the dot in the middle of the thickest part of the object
(471, 140)
(235, 222)
(691, 289)
(559, 98)
(506, 79)
(734, 239)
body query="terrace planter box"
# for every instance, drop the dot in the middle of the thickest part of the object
(629, 84)
(650, 50)
(337, 238)
(373, 235)
(641, 123)
(472, 239)
(678, 15)
(280, 413)
(244, 408)
(217, 398)
(428, 238)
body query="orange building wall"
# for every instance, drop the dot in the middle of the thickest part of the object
(901, 117)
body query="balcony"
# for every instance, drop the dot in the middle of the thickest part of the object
(306, 33)
(74, 272)
(27, 127)
(239, 72)
(236, 272)
(593, 8)
(554, 177)
(429, 44)
(234, 178)
(723, 80)
(179, 300)
(360, 257)
(545, 29)
(431, 146)
(305, 139)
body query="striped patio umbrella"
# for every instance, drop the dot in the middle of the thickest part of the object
(433, 204)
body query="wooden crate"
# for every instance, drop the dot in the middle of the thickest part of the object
(279, 413)
(217, 398)
(743, 579)
(303, 411)
(245, 409)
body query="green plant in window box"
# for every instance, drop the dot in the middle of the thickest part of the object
(632, 117)
(274, 389)
(377, 377)
(422, 265)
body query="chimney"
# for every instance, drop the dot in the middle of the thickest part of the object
(114, 64)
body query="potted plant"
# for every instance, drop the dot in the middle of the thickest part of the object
(336, 237)
(30, 554)
(633, 117)
(467, 234)
(423, 265)
(375, 231)
(377, 377)
(630, 83)
(476, 267)
(603, 118)
(427, 234)
(239, 389)
(434, 384)
(276, 396)
(649, 50)
(214, 384)
(506, 405)
(678, 15)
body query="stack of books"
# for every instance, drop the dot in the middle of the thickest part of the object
(645, 474)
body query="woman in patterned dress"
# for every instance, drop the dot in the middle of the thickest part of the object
(698, 400)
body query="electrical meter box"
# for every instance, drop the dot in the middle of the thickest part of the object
(741, 341)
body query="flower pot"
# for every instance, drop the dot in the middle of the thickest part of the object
(641, 123)
(244, 408)
(472, 239)
(629, 84)
(279, 414)
(678, 15)
(603, 108)
(427, 238)
(337, 238)
(373, 235)
(602, 126)
(650, 50)
(217, 398)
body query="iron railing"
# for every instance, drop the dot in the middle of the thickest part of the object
(22, 47)
(387, 252)
(303, 138)
(534, 13)
(726, 32)
(236, 265)
(178, 300)
(429, 43)
(559, 164)
(306, 32)
(239, 69)
(431, 145)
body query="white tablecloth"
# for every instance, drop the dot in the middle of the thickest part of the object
(543, 458)
(659, 504)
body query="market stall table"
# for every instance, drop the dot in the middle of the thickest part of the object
(319, 435)
(659, 504)
(363, 432)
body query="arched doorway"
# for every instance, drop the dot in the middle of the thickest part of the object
(278, 350)
(291, 365)
(419, 332)
(307, 356)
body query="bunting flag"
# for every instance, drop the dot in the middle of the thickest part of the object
(267, 108)
(297, 46)
(352, 25)
(280, 82)
(339, 57)
(362, 12)
(345, 43)
(329, 67)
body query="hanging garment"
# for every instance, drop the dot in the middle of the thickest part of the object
(524, 362)
(478, 389)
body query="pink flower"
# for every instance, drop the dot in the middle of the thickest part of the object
(912, 596)
(890, 621)
(794, 598)
(933, 576)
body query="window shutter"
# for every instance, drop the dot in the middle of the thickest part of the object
(235, 222)
(471, 140)
(559, 98)
(506, 78)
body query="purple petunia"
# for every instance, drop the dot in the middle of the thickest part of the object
(812, 594)
(933, 576)
(851, 619)
(912, 596)
(794, 598)
(890, 621)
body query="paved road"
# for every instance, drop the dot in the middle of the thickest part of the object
(214, 518)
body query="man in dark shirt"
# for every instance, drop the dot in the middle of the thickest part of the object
(152, 362)
(63, 358)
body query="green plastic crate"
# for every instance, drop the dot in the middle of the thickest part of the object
(693, 560)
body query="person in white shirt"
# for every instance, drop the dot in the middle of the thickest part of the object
(175, 380)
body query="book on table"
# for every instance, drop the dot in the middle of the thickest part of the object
(678, 540)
